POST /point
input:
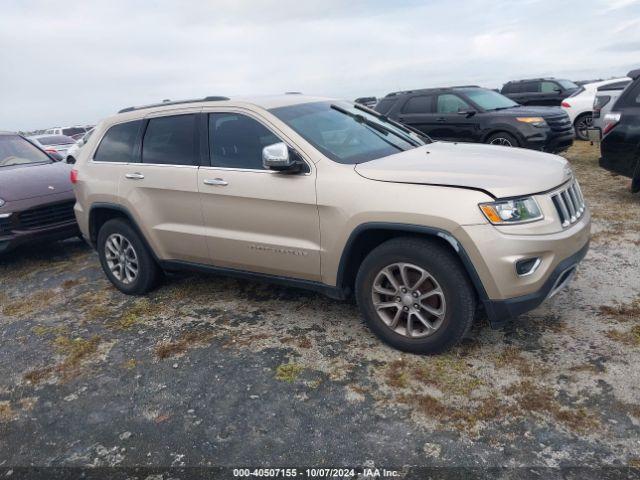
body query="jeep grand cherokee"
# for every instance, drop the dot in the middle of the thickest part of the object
(328, 195)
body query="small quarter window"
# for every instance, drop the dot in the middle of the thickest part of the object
(118, 143)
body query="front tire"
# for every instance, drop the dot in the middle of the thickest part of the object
(125, 259)
(502, 139)
(415, 295)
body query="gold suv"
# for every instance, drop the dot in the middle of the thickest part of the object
(324, 194)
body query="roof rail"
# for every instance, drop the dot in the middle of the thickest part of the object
(633, 74)
(428, 90)
(211, 98)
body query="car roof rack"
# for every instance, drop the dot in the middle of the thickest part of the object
(430, 89)
(211, 98)
(531, 79)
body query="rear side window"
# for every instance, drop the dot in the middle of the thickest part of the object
(529, 87)
(384, 105)
(171, 141)
(236, 141)
(449, 103)
(72, 131)
(118, 143)
(419, 104)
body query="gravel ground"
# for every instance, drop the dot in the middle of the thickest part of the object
(215, 371)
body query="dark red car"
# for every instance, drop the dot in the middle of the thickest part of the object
(36, 198)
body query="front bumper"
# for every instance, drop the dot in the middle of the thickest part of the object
(501, 311)
(50, 233)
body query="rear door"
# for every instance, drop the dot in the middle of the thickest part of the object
(255, 219)
(525, 92)
(418, 112)
(160, 188)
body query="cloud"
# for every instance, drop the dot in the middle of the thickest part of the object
(86, 61)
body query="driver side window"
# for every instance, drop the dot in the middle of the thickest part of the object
(236, 141)
(449, 103)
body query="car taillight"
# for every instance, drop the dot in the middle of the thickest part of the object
(566, 104)
(73, 176)
(611, 119)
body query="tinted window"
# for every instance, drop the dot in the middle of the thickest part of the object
(171, 141)
(548, 87)
(420, 104)
(72, 131)
(15, 150)
(567, 84)
(385, 105)
(449, 103)
(350, 136)
(236, 141)
(529, 87)
(117, 144)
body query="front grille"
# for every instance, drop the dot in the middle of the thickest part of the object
(47, 215)
(559, 123)
(569, 203)
(5, 226)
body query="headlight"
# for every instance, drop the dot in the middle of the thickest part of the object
(1, 202)
(535, 121)
(509, 212)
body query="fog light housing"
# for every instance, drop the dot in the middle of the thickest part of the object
(527, 266)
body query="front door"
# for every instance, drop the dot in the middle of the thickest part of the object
(255, 219)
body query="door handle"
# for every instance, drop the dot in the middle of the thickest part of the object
(215, 181)
(441, 120)
(134, 176)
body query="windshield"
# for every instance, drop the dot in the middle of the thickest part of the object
(489, 100)
(344, 133)
(15, 150)
(567, 84)
(55, 140)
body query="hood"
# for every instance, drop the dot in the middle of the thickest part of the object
(501, 171)
(19, 182)
(527, 111)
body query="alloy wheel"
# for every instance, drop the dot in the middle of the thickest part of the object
(121, 258)
(501, 141)
(583, 126)
(409, 300)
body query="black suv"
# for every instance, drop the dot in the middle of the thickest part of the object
(620, 144)
(474, 114)
(539, 91)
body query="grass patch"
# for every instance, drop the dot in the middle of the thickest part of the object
(183, 343)
(28, 305)
(622, 311)
(288, 372)
(74, 351)
(6, 411)
(630, 337)
(136, 313)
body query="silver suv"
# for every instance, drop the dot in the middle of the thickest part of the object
(329, 195)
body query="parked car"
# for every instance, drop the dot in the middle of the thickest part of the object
(606, 97)
(72, 153)
(68, 131)
(328, 195)
(579, 105)
(479, 115)
(367, 101)
(539, 91)
(620, 143)
(36, 196)
(59, 144)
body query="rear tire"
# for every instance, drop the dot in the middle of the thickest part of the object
(125, 258)
(582, 124)
(426, 318)
(503, 139)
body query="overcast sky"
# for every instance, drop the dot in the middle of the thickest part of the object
(65, 63)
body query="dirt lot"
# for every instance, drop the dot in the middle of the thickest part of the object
(215, 371)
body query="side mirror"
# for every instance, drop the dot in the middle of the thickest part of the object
(278, 157)
(557, 90)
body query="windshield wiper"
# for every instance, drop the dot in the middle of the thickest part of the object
(377, 130)
(398, 125)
